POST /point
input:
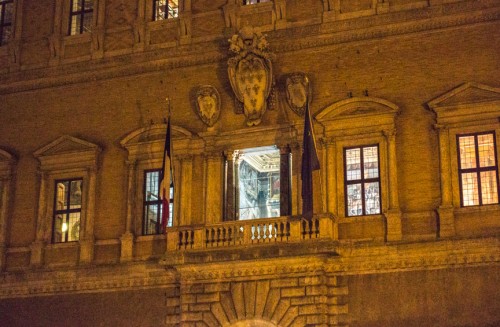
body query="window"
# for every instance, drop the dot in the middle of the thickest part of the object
(6, 17)
(153, 204)
(252, 2)
(80, 17)
(259, 183)
(67, 210)
(165, 9)
(478, 169)
(362, 180)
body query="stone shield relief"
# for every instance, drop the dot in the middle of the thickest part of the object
(250, 73)
(297, 90)
(208, 104)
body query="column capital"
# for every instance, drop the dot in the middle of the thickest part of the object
(389, 132)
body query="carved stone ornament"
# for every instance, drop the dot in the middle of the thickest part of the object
(250, 73)
(208, 104)
(297, 92)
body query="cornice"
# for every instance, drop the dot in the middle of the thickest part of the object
(347, 259)
(327, 34)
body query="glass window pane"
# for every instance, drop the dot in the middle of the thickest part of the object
(89, 4)
(87, 22)
(152, 182)
(370, 162)
(353, 164)
(489, 188)
(354, 202)
(61, 195)
(467, 152)
(173, 8)
(160, 9)
(76, 195)
(73, 228)
(77, 5)
(150, 219)
(9, 13)
(470, 193)
(372, 198)
(486, 149)
(59, 234)
(75, 25)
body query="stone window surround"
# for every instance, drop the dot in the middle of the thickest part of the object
(60, 39)
(455, 116)
(353, 122)
(7, 162)
(65, 158)
(12, 47)
(145, 152)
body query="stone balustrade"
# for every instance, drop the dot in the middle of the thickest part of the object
(249, 232)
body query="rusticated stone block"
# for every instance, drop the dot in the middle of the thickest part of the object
(293, 291)
(285, 282)
(207, 297)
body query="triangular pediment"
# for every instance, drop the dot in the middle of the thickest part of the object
(154, 133)
(357, 107)
(466, 94)
(65, 145)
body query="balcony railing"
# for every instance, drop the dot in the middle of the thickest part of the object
(247, 232)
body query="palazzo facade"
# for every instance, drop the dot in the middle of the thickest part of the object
(404, 97)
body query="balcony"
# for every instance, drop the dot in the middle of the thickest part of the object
(237, 239)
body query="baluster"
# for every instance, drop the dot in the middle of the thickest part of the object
(180, 240)
(192, 238)
(287, 228)
(230, 235)
(207, 237)
(304, 229)
(218, 236)
(212, 238)
(316, 225)
(265, 232)
(224, 235)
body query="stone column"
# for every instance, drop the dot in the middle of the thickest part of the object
(38, 246)
(185, 186)
(285, 181)
(213, 196)
(4, 202)
(87, 234)
(331, 176)
(445, 210)
(127, 239)
(230, 204)
(296, 181)
(393, 214)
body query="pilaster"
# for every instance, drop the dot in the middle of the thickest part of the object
(285, 179)
(127, 239)
(213, 196)
(393, 214)
(185, 186)
(445, 211)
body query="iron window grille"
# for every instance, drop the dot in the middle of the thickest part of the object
(477, 169)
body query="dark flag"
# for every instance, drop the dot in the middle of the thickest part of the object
(166, 178)
(310, 162)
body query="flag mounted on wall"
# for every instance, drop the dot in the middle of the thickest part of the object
(167, 176)
(310, 162)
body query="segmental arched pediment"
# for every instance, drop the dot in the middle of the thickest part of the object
(357, 113)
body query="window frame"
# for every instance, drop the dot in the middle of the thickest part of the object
(67, 211)
(154, 17)
(362, 181)
(246, 2)
(157, 202)
(82, 13)
(477, 170)
(3, 5)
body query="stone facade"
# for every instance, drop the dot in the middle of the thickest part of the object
(406, 75)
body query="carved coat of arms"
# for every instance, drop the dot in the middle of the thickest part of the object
(250, 73)
(208, 104)
(297, 92)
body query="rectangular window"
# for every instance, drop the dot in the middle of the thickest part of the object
(478, 169)
(152, 223)
(165, 9)
(259, 183)
(252, 2)
(362, 180)
(80, 17)
(6, 18)
(67, 210)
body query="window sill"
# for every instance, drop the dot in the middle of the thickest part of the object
(77, 39)
(64, 245)
(149, 238)
(476, 209)
(159, 24)
(359, 219)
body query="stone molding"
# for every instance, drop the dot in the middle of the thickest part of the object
(406, 22)
(346, 260)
